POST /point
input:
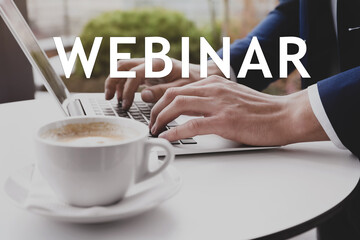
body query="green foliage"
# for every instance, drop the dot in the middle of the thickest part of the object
(143, 23)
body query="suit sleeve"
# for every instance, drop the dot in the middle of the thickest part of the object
(340, 99)
(283, 21)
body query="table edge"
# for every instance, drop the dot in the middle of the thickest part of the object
(312, 223)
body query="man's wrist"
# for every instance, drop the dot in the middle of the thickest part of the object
(303, 125)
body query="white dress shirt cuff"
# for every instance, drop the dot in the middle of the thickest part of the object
(319, 111)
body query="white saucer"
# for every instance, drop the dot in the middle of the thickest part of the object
(141, 198)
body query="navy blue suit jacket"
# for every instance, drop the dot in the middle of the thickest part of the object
(332, 63)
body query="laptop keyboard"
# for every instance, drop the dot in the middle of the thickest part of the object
(139, 111)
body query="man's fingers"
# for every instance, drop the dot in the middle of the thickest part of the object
(170, 95)
(181, 105)
(120, 89)
(111, 84)
(125, 65)
(132, 85)
(110, 87)
(192, 128)
(154, 93)
(208, 80)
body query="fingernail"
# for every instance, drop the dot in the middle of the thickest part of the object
(153, 130)
(147, 95)
(124, 104)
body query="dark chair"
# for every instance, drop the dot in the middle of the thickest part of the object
(16, 78)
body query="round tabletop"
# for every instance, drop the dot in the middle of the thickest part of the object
(272, 193)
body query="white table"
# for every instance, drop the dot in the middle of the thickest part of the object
(224, 196)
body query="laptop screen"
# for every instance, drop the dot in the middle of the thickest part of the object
(29, 44)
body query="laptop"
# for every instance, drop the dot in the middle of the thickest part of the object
(94, 104)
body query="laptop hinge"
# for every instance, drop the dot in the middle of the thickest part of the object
(75, 108)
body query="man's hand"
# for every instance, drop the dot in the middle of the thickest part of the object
(236, 112)
(125, 88)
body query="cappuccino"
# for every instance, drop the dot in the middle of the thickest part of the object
(93, 161)
(85, 134)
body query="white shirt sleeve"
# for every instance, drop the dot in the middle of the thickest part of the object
(319, 111)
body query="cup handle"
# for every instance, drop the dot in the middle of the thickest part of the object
(144, 172)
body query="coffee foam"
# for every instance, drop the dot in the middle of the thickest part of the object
(89, 134)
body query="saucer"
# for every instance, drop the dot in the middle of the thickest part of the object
(142, 197)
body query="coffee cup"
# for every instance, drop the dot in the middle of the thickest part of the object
(92, 161)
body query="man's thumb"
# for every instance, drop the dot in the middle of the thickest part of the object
(152, 94)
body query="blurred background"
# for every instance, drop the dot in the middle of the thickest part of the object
(212, 19)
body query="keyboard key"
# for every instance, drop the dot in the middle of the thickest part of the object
(121, 112)
(140, 103)
(108, 111)
(146, 112)
(139, 118)
(144, 109)
(188, 141)
(175, 142)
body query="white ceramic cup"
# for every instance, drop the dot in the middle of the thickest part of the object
(98, 174)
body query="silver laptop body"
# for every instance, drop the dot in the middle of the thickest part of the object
(90, 103)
